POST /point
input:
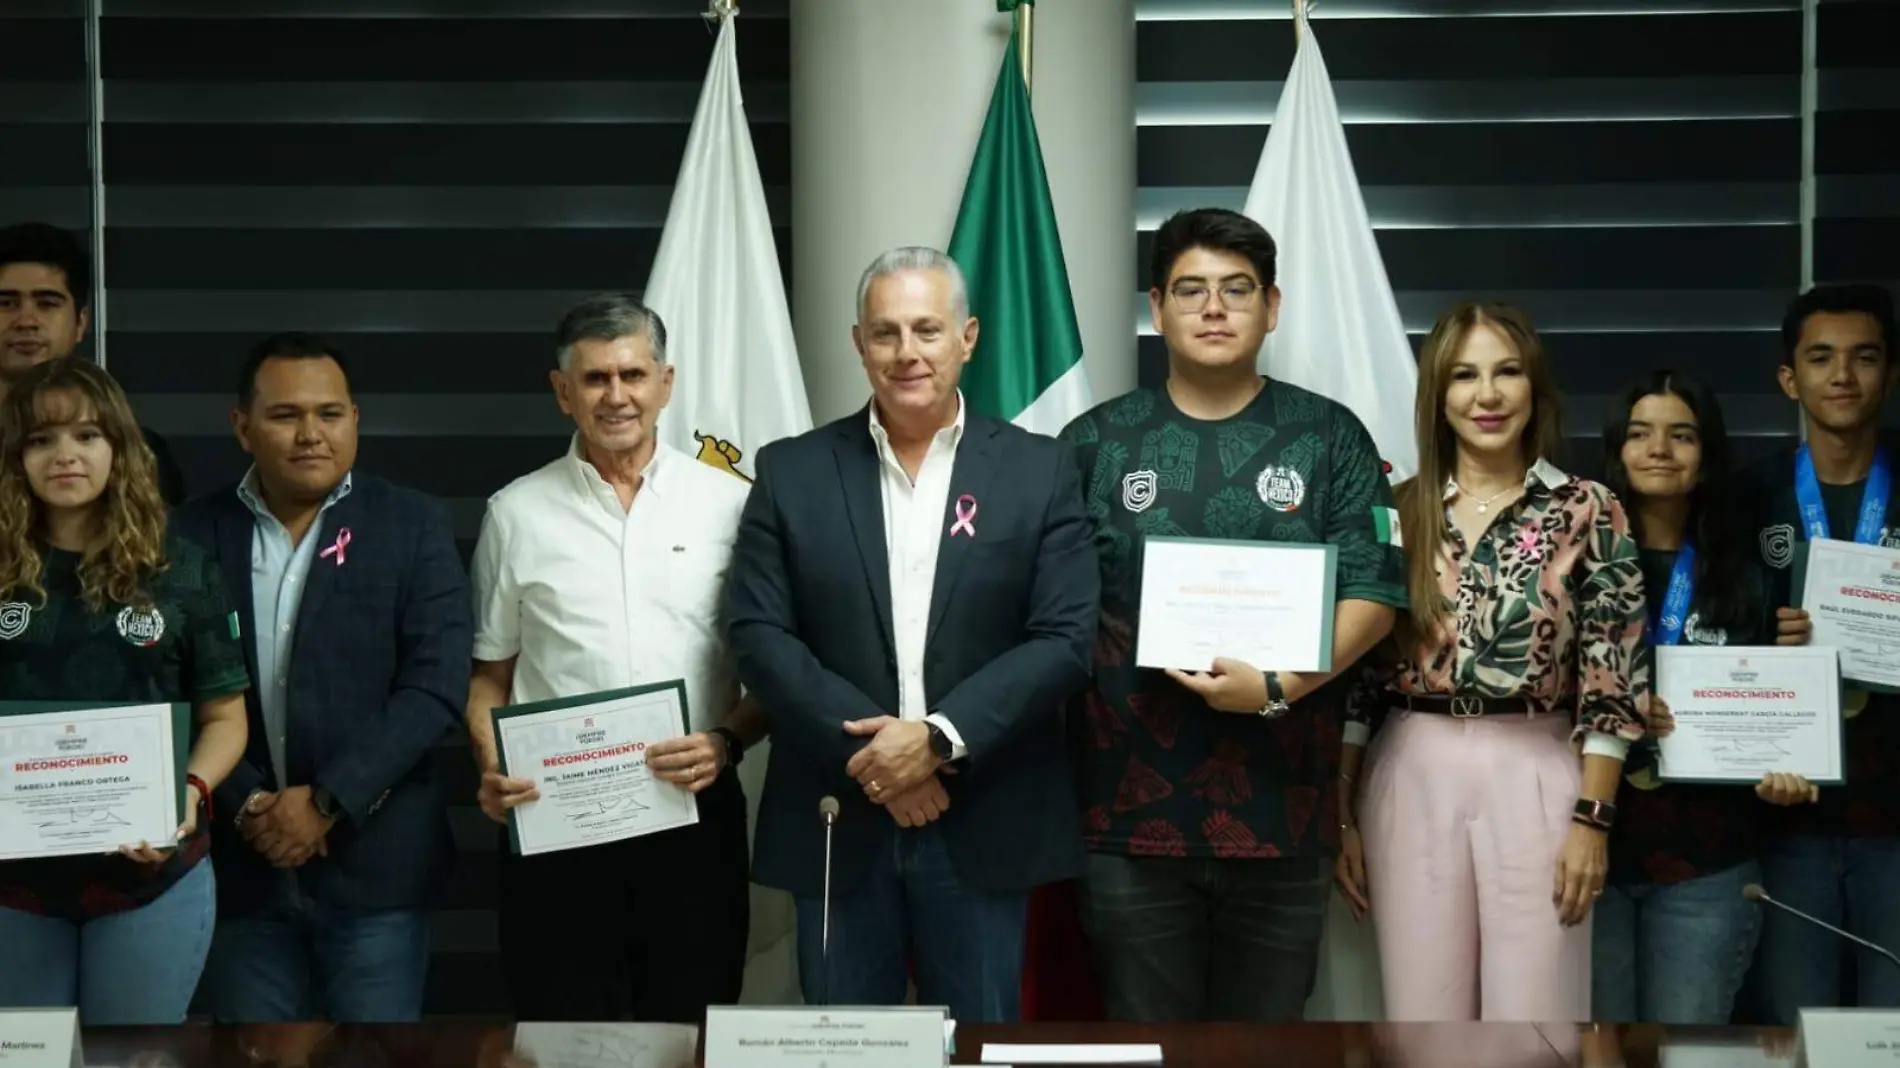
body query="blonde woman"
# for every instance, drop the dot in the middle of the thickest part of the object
(1503, 705)
(99, 604)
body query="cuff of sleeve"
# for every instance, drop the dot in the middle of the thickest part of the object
(957, 749)
(495, 650)
(1356, 732)
(1608, 745)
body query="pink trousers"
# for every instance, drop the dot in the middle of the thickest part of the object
(1463, 821)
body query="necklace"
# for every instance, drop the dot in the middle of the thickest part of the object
(1484, 504)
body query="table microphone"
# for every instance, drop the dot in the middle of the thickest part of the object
(827, 811)
(1754, 892)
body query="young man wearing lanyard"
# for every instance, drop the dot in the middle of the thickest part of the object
(1839, 859)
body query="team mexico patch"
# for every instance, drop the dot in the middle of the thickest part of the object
(1280, 488)
(1385, 527)
(141, 627)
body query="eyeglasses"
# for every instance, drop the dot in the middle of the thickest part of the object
(1235, 295)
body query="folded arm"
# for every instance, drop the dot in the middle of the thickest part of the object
(809, 704)
(434, 636)
(1030, 681)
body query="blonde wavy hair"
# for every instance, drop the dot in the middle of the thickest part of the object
(130, 547)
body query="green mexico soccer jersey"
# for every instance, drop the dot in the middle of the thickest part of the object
(1162, 773)
(182, 647)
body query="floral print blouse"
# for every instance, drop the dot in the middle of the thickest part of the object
(1549, 606)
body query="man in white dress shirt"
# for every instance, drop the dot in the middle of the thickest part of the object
(603, 570)
(913, 596)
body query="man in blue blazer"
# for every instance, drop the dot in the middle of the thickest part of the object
(913, 596)
(331, 835)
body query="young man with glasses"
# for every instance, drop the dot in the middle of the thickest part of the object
(1210, 808)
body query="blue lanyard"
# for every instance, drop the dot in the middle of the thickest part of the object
(1675, 604)
(1873, 500)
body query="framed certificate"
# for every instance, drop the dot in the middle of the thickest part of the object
(587, 757)
(1267, 603)
(1852, 596)
(82, 780)
(1744, 711)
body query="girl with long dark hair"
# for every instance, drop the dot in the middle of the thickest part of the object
(1673, 934)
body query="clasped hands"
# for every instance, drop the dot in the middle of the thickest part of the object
(899, 770)
(285, 828)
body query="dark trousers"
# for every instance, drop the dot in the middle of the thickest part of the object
(652, 929)
(964, 945)
(298, 959)
(1192, 940)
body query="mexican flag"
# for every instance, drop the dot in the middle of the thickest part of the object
(1028, 363)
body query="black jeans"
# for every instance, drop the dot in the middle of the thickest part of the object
(651, 929)
(1192, 940)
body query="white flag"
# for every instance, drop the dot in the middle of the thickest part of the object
(1340, 333)
(716, 285)
(737, 385)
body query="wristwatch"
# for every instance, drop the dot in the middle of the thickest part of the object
(324, 802)
(1277, 704)
(735, 749)
(940, 743)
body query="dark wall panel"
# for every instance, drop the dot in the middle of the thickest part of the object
(430, 191)
(1630, 177)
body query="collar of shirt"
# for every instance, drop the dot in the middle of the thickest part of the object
(1543, 475)
(252, 494)
(588, 479)
(949, 437)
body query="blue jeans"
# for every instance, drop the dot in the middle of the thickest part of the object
(129, 968)
(1180, 939)
(966, 945)
(297, 959)
(1852, 883)
(1673, 953)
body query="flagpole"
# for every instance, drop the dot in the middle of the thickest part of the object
(1301, 9)
(1025, 38)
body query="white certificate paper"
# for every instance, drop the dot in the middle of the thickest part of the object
(1852, 595)
(588, 757)
(1264, 603)
(1744, 711)
(87, 782)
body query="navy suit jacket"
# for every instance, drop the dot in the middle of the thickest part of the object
(378, 675)
(1011, 634)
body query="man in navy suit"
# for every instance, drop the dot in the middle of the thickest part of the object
(332, 835)
(912, 598)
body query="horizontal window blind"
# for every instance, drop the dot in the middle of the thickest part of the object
(1628, 173)
(429, 183)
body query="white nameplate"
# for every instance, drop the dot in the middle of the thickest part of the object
(607, 1045)
(997, 1053)
(1850, 1038)
(40, 1038)
(897, 1037)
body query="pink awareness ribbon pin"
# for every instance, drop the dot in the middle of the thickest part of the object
(966, 517)
(337, 549)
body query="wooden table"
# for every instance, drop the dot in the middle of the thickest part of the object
(486, 1044)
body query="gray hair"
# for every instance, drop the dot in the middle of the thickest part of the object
(608, 317)
(916, 258)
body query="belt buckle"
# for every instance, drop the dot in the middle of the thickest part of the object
(1466, 707)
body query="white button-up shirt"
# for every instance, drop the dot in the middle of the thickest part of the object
(590, 596)
(914, 529)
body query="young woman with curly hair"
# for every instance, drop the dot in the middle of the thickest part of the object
(99, 605)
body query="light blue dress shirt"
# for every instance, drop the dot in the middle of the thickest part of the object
(279, 571)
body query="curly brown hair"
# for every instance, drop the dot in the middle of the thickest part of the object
(130, 547)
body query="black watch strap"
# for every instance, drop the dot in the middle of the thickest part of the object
(324, 802)
(1275, 692)
(940, 743)
(735, 749)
